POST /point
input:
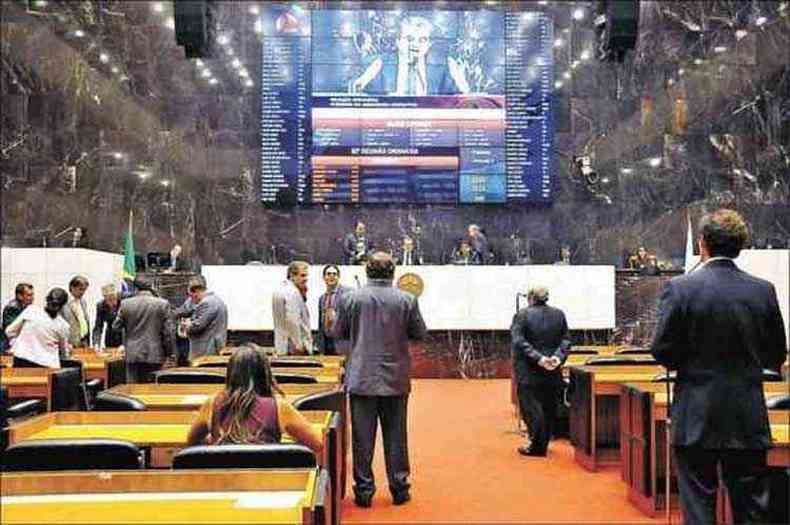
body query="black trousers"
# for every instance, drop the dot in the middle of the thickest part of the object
(744, 473)
(538, 404)
(141, 372)
(366, 412)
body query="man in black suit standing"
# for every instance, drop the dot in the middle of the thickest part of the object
(540, 344)
(719, 327)
(357, 246)
(328, 305)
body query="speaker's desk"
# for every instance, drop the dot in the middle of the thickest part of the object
(643, 444)
(298, 496)
(594, 412)
(322, 375)
(163, 433)
(190, 397)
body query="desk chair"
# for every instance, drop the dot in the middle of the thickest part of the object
(633, 351)
(275, 455)
(778, 402)
(771, 375)
(109, 402)
(68, 390)
(583, 352)
(72, 454)
(294, 379)
(92, 386)
(293, 363)
(196, 376)
(18, 410)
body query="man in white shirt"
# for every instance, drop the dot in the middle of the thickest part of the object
(41, 335)
(289, 309)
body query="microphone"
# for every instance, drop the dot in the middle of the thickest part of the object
(356, 278)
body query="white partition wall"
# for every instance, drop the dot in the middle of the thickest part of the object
(773, 266)
(46, 268)
(454, 298)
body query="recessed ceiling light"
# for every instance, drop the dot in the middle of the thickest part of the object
(115, 69)
(578, 14)
(79, 33)
(655, 162)
(104, 58)
(254, 10)
(249, 83)
(212, 81)
(558, 84)
(157, 7)
(205, 73)
(558, 42)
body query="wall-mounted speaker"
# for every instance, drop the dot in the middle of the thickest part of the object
(195, 27)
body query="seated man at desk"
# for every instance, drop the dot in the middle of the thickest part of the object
(464, 255)
(239, 414)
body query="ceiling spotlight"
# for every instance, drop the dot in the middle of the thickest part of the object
(585, 55)
(104, 58)
(118, 155)
(165, 183)
(206, 73)
(243, 72)
(199, 63)
(212, 81)
(605, 180)
(143, 174)
(79, 33)
(558, 84)
(578, 14)
(719, 49)
(567, 75)
(236, 63)
(254, 10)
(223, 39)
(698, 61)
(258, 26)
(575, 64)
(655, 162)
(761, 20)
(115, 69)
(740, 33)
(249, 83)
(41, 3)
(681, 72)
(558, 42)
(229, 51)
(626, 171)
(543, 2)
(157, 7)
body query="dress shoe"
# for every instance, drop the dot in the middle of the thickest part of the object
(363, 501)
(529, 451)
(399, 498)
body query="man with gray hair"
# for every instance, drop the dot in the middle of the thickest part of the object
(291, 317)
(540, 344)
(206, 323)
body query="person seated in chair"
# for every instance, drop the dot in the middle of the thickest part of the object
(464, 254)
(247, 410)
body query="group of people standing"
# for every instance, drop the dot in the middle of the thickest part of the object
(472, 249)
(141, 322)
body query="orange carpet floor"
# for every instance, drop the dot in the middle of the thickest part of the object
(465, 468)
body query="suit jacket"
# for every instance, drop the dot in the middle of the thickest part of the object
(148, 330)
(10, 312)
(350, 248)
(416, 258)
(105, 315)
(480, 246)
(208, 333)
(325, 340)
(719, 327)
(379, 320)
(291, 320)
(539, 331)
(69, 314)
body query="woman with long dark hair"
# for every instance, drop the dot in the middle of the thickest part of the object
(248, 411)
(40, 335)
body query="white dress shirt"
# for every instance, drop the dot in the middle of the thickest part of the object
(39, 338)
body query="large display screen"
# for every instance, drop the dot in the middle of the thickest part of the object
(387, 106)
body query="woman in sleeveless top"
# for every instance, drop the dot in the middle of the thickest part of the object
(247, 410)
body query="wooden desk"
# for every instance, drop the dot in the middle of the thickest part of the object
(28, 382)
(643, 444)
(595, 408)
(190, 397)
(109, 367)
(186, 496)
(335, 360)
(323, 375)
(164, 433)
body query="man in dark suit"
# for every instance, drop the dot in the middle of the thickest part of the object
(356, 245)
(106, 312)
(328, 305)
(23, 297)
(719, 327)
(409, 254)
(379, 320)
(148, 332)
(479, 243)
(540, 344)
